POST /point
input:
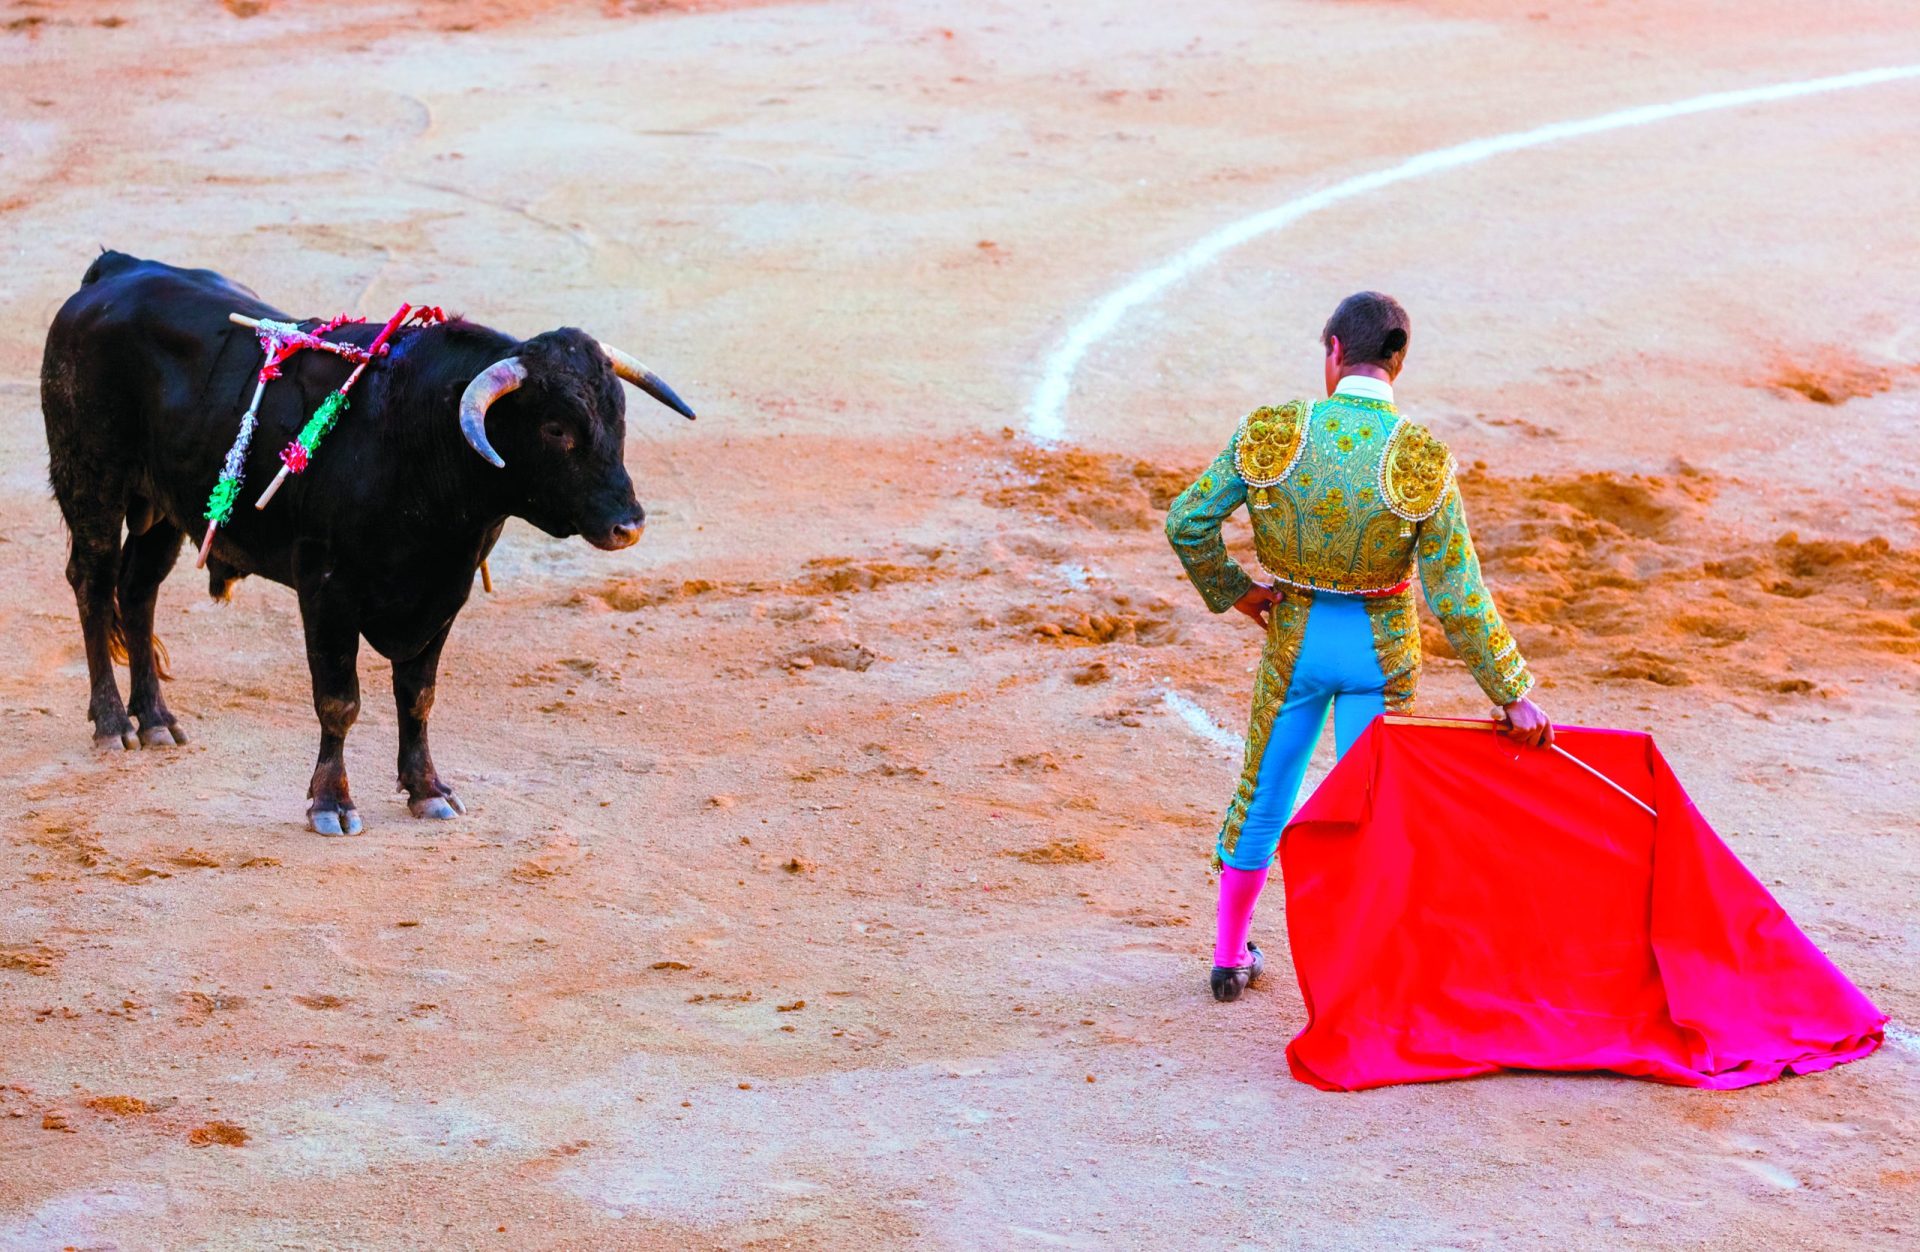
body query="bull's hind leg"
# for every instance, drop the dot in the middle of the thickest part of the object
(92, 565)
(333, 649)
(413, 683)
(144, 565)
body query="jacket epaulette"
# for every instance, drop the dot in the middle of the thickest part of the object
(1267, 447)
(1415, 471)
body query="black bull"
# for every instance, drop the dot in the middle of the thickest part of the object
(143, 384)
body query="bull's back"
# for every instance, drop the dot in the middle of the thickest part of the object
(131, 312)
(138, 363)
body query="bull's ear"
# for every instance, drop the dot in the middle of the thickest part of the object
(645, 379)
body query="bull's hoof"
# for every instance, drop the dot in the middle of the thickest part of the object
(344, 821)
(120, 741)
(438, 808)
(161, 736)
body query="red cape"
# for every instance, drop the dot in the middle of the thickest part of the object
(1458, 905)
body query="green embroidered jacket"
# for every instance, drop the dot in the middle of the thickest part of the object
(1348, 496)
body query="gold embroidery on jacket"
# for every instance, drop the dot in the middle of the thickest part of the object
(1415, 472)
(1341, 521)
(1267, 447)
(1332, 512)
(1286, 633)
(1396, 645)
(1323, 525)
(1450, 575)
(1193, 528)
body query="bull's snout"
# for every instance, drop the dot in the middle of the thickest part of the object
(620, 535)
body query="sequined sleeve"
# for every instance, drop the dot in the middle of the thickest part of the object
(1450, 577)
(1193, 527)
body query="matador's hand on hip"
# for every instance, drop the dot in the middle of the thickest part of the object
(1260, 598)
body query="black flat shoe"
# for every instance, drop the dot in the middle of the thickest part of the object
(1229, 981)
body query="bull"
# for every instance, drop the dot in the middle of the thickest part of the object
(452, 431)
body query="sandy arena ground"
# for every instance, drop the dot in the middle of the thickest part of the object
(836, 871)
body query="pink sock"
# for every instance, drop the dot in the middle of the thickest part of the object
(1239, 892)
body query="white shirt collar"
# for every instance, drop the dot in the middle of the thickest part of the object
(1366, 388)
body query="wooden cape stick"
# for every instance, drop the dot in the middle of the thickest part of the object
(1404, 719)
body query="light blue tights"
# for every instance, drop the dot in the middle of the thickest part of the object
(1337, 669)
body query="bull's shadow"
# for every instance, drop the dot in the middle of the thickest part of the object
(453, 430)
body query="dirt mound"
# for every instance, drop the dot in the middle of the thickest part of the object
(1645, 507)
(1058, 852)
(1094, 489)
(68, 846)
(630, 595)
(847, 654)
(1616, 578)
(1633, 579)
(1112, 618)
(822, 576)
(1620, 578)
(37, 958)
(197, 1008)
(1831, 376)
(226, 1134)
(830, 575)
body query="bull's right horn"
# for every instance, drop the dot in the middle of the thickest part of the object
(487, 386)
(627, 367)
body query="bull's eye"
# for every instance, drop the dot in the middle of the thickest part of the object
(557, 435)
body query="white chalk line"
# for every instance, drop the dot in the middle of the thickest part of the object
(1046, 422)
(1201, 723)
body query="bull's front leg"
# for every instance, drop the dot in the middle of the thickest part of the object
(333, 649)
(413, 682)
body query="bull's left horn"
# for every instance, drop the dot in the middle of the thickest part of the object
(645, 379)
(487, 386)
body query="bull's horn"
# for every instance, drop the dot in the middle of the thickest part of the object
(487, 386)
(645, 379)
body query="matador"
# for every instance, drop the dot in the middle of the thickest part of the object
(1349, 501)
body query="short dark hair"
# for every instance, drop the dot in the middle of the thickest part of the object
(1372, 328)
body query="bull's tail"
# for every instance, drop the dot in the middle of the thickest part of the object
(117, 648)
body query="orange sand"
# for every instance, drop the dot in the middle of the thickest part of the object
(835, 874)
